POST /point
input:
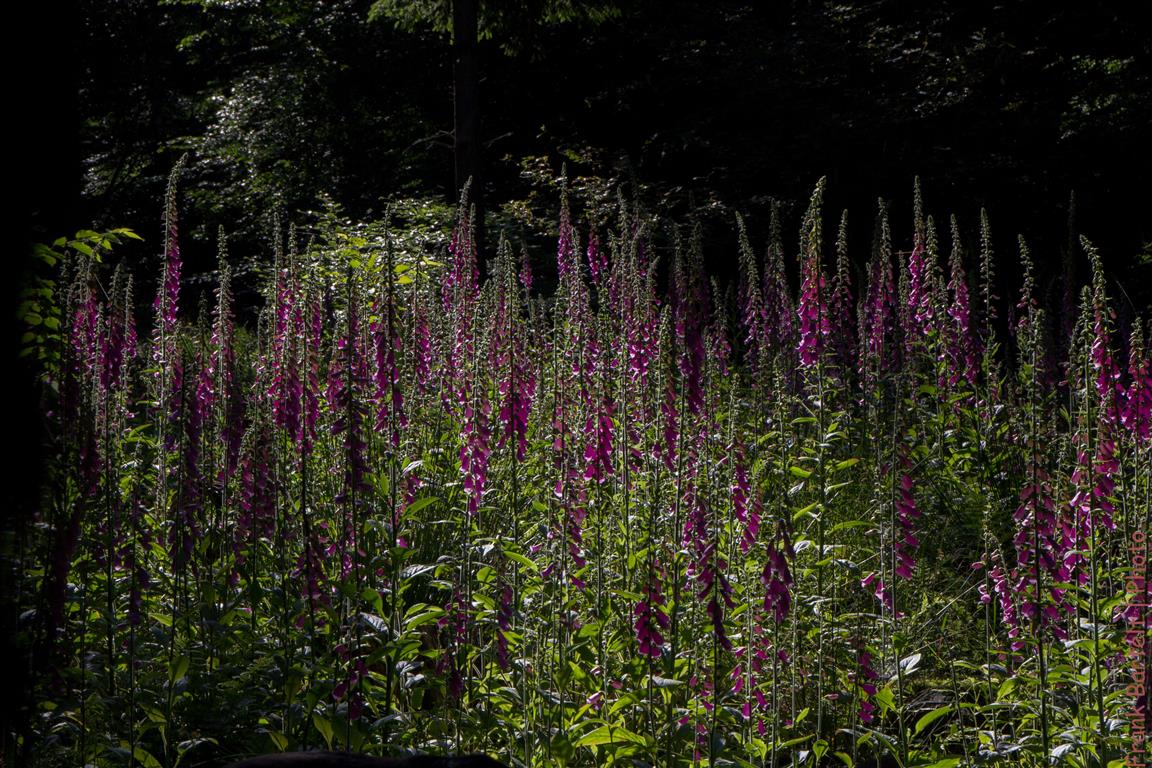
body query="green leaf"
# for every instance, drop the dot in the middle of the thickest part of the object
(1006, 688)
(608, 734)
(516, 557)
(886, 698)
(420, 503)
(324, 726)
(948, 762)
(146, 758)
(820, 748)
(278, 739)
(178, 669)
(431, 613)
(931, 717)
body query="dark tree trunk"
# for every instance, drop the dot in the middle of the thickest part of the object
(466, 105)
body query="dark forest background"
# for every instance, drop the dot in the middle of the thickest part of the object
(703, 109)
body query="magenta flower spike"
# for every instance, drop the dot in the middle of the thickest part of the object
(1137, 418)
(346, 395)
(906, 514)
(422, 352)
(777, 576)
(387, 345)
(878, 316)
(864, 679)
(960, 350)
(650, 617)
(165, 347)
(475, 450)
(749, 302)
(309, 384)
(812, 307)
(811, 314)
(779, 337)
(461, 285)
(84, 330)
(598, 432)
(746, 506)
(509, 359)
(129, 339)
(257, 518)
(286, 388)
(1005, 596)
(919, 312)
(597, 259)
(841, 305)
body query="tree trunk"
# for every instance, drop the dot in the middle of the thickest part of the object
(466, 106)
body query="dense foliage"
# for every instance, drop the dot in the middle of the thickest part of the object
(642, 520)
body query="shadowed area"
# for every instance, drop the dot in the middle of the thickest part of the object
(350, 760)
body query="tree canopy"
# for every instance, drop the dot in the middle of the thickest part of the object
(713, 108)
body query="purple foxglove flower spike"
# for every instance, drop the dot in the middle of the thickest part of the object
(650, 617)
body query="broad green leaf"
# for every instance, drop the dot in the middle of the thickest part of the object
(146, 758)
(324, 726)
(420, 503)
(931, 717)
(178, 669)
(948, 762)
(607, 734)
(516, 557)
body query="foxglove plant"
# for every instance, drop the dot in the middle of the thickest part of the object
(666, 446)
(347, 384)
(286, 388)
(651, 617)
(779, 313)
(841, 304)
(863, 680)
(812, 309)
(257, 494)
(597, 259)
(777, 575)
(387, 346)
(746, 506)
(906, 542)
(999, 587)
(877, 311)
(169, 379)
(508, 357)
(750, 303)
(1137, 416)
(918, 311)
(959, 349)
